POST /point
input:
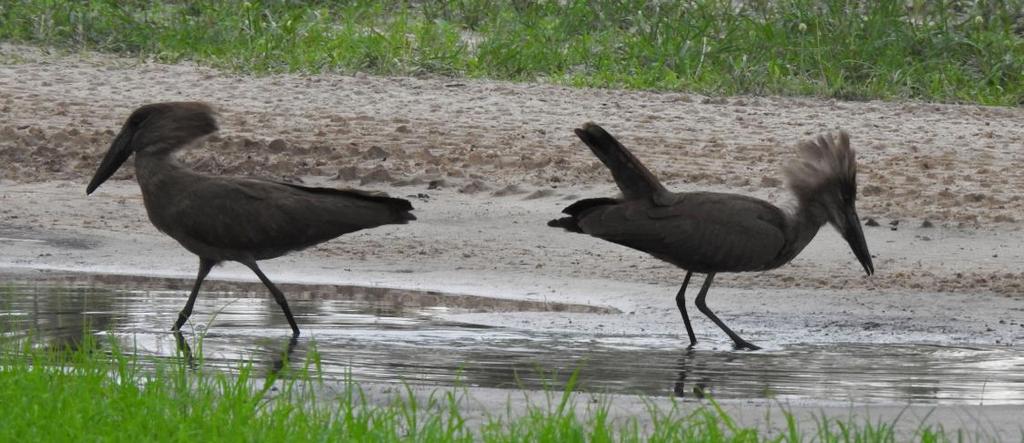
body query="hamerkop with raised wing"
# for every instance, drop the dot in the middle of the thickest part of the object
(711, 232)
(232, 218)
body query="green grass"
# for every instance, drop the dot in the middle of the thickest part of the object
(95, 394)
(949, 51)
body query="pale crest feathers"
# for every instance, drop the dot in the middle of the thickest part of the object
(824, 162)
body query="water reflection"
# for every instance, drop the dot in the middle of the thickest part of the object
(65, 318)
(387, 335)
(845, 372)
(276, 361)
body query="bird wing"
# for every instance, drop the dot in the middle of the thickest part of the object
(269, 218)
(701, 232)
(632, 177)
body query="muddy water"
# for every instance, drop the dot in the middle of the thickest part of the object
(391, 335)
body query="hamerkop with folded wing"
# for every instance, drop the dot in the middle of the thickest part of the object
(711, 232)
(232, 218)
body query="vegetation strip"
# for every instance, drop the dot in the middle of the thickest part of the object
(949, 51)
(102, 393)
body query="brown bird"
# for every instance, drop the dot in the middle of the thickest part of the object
(711, 232)
(232, 218)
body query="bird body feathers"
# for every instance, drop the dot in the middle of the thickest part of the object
(235, 218)
(698, 231)
(710, 232)
(231, 218)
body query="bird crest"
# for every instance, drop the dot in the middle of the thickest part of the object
(826, 162)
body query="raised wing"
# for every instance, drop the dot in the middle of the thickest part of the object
(700, 232)
(633, 178)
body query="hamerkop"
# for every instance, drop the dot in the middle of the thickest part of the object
(232, 218)
(711, 232)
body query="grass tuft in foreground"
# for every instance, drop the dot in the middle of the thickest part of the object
(951, 51)
(95, 394)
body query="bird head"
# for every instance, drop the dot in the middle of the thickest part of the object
(155, 128)
(824, 178)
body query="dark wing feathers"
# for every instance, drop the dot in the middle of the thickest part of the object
(702, 232)
(398, 203)
(269, 218)
(632, 177)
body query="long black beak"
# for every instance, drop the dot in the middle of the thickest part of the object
(854, 235)
(119, 151)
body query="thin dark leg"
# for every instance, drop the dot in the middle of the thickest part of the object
(186, 350)
(740, 343)
(278, 296)
(285, 357)
(204, 269)
(681, 303)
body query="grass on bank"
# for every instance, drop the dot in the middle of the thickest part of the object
(95, 394)
(945, 50)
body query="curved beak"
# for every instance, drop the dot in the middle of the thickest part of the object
(854, 235)
(119, 151)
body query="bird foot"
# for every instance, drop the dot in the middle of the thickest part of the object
(742, 344)
(184, 349)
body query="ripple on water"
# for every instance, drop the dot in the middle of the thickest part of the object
(387, 335)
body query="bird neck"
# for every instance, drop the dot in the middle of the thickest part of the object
(803, 224)
(164, 182)
(157, 171)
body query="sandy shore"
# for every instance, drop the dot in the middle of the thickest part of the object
(488, 163)
(504, 144)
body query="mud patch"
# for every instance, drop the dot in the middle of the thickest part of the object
(16, 234)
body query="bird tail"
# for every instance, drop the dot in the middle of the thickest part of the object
(635, 180)
(404, 215)
(567, 223)
(400, 207)
(576, 211)
(395, 210)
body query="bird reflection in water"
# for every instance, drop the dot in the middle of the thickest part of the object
(281, 357)
(692, 372)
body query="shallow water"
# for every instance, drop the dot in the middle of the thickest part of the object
(394, 335)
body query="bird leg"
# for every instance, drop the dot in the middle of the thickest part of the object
(703, 307)
(278, 295)
(284, 358)
(681, 303)
(186, 350)
(205, 266)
